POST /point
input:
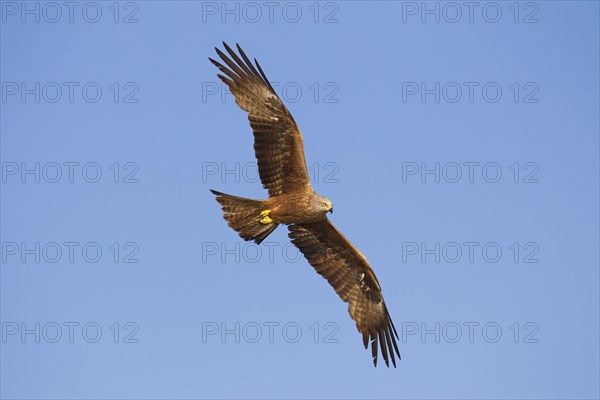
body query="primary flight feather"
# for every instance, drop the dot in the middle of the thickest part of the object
(279, 151)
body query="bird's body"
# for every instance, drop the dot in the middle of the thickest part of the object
(279, 149)
(306, 207)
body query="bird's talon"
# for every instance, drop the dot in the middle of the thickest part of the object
(266, 220)
(265, 213)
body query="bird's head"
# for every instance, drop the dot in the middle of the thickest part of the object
(323, 204)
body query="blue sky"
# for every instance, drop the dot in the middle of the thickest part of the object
(459, 145)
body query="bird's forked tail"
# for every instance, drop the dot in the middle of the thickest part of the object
(244, 216)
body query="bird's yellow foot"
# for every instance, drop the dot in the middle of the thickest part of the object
(266, 220)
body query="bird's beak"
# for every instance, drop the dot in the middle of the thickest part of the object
(330, 210)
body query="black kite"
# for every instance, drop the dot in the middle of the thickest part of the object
(292, 201)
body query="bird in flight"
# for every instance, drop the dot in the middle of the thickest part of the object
(279, 150)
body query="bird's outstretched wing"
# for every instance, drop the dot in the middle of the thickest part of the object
(350, 274)
(278, 142)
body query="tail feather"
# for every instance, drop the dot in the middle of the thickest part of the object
(243, 215)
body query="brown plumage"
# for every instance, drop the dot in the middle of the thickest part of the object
(279, 150)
